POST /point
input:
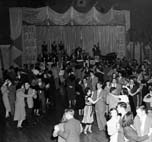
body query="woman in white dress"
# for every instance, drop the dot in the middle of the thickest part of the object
(113, 125)
(5, 91)
(20, 113)
(88, 111)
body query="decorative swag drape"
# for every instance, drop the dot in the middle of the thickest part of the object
(39, 16)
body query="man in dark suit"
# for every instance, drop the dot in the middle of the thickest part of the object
(93, 81)
(72, 128)
(44, 49)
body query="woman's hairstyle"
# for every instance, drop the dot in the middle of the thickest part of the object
(142, 108)
(122, 104)
(125, 91)
(87, 89)
(99, 82)
(112, 109)
(150, 88)
(114, 74)
(112, 88)
(91, 72)
(70, 111)
(127, 120)
(105, 83)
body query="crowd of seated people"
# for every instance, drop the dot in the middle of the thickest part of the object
(92, 86)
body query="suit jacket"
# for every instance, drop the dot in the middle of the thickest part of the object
(30, 102)
(132, 136)
(72, 130)
(12, 93)
(94, 83)
(101, 104)
(147, 126)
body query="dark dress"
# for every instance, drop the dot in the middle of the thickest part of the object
(37, 101)
(80, 100)
(70, 88)
(133, 99)
(51, 91)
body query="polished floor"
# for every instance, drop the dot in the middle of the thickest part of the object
(42, 131)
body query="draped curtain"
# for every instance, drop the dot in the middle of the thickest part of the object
(89, 33)
(15, 34)
(139, 51)
(4, 63)
(71, 16)
(15, 22)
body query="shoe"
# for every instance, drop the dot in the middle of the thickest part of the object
(85, 132)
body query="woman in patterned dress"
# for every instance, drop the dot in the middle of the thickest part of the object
(88, 111)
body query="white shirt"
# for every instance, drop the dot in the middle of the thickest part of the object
(124, 98)
(112, 100)
(113, 128)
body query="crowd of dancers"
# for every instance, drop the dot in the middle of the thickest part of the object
(117, 93)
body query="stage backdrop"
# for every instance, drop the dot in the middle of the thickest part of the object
(29, 55)
(110, 38)
(97, 26)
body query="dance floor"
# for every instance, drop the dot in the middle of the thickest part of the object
(42, 131)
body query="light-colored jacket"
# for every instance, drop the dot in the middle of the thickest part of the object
(72, 130)
(30, 101)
